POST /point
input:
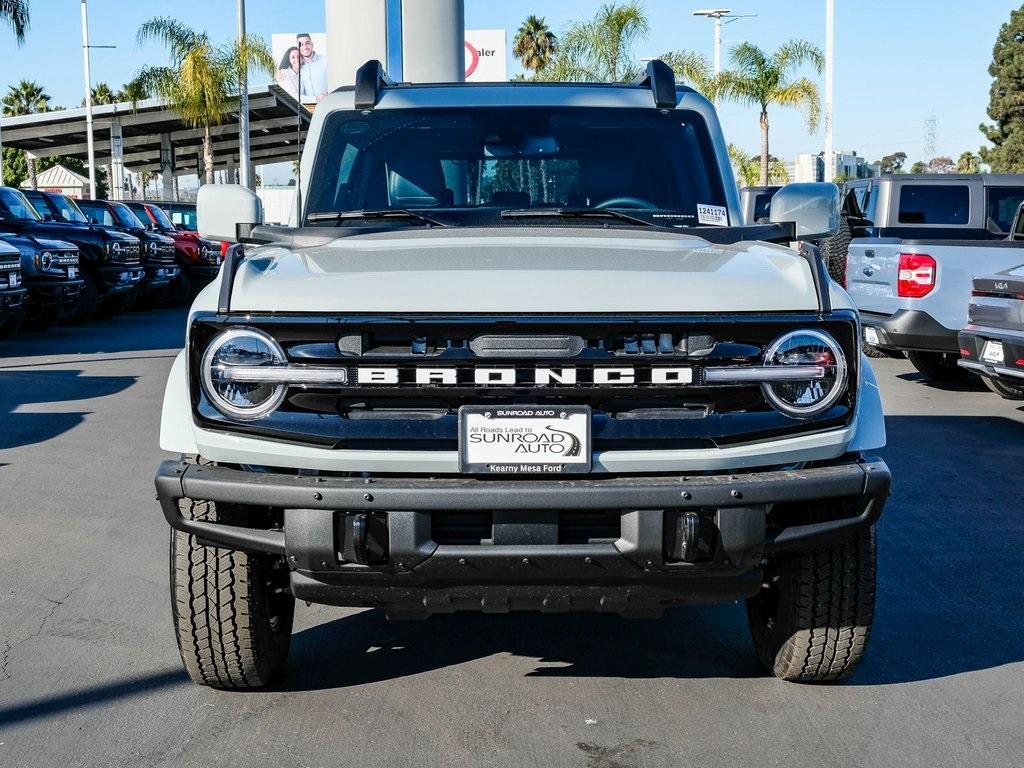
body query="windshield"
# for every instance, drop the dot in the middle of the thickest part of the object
(475, 163)
(184, 218)
(15, 206)
(66, 209)
(157, 213)
(126, 217)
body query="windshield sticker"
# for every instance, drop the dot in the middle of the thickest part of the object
(715, 215)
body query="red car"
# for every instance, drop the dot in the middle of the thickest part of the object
(199, 258)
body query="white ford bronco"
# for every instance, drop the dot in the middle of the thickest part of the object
(520, 352)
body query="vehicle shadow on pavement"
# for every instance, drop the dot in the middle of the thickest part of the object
(969, 384)
(950, 584)
(689, 642)
(132, 332)
(24, 387)
(950, 592)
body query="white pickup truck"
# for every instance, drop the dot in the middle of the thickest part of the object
(931, 235)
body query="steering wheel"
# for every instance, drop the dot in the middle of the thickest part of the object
(625, 202)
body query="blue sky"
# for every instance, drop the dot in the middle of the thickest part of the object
(897, 63)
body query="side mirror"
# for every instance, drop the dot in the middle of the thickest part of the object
(812, 207)
(227, 211)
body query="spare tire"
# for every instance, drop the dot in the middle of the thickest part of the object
(834, 251)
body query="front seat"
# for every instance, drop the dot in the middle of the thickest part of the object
(416, 181)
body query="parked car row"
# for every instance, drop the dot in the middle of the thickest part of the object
(70, 261)
(935, 264)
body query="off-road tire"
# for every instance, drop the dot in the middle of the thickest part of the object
(43, 321)
(938, 366)
(179, 294)
(836, 249)
(812, 621)
(88, 299)
(1004, 389)
(874, 352)
(12, 324)
(232, 625)
(112, 306)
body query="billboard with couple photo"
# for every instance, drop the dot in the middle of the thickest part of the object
(301, 64)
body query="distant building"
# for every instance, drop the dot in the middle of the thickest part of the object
(61, 180)
(850, 165)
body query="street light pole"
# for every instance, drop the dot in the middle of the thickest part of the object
(88, 100)
(718, 14)
(245, 169)
(830, 163)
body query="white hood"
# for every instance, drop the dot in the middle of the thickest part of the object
(523, 270)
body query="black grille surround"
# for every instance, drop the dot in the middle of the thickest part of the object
(408, 416)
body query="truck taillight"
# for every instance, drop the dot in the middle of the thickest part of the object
(916, 277)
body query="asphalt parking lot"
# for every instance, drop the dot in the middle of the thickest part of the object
(90, 674)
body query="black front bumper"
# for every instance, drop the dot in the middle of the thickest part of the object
(526, 566)
(12, 299)
(159, 275)
(119, 279)
(54, 294)
(910, 329)
(972, 345)
(202, 274)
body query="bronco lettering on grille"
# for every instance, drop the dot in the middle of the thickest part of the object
(510, 376)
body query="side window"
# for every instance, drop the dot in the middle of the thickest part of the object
(1001, 206)
(948, 204)
(99, 215)
(870, 204)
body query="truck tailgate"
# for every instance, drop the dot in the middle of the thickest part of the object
(872, 267)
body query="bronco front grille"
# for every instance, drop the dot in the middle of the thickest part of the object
(395, 412)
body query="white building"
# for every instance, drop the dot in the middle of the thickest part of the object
(61, 180)
(849, 165)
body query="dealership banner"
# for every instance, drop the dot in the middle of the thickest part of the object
(301, 62)
(485, 56)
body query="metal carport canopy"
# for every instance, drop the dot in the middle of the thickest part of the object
(273, 113)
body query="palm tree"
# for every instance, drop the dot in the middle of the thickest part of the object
(694, 70)
(26, 98)
(968, 162)
(133, 91)
(14, 13)
(600, 50)
(748, 168)
(763, 80)
(202, 81)
(101, 94)
(534, 44)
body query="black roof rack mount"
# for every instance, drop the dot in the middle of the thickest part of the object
(371, 79)
(660, 78)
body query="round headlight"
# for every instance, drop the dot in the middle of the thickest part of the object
(46, 260)
(230, 395)
(821, 357)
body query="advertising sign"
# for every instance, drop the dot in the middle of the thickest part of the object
(485, 56)
(301, 64)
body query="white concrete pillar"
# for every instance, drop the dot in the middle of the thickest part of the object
(115, 184)
(167, 166)
(357, 31)
(433, 41)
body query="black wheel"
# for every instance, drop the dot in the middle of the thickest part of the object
(812, 621)
(232, 613)
(180, 292)
(114, 305)
(835, 249)
(939, 366)
(12, 324)
(43, 321)
(872, 351)
(88, 299)
(1005, 389)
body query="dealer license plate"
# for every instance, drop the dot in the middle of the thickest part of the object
(524, 439)
(992, 352)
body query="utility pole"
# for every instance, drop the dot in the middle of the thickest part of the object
(718, 14)
(830, 160)
(245, 169)
(88, 100)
